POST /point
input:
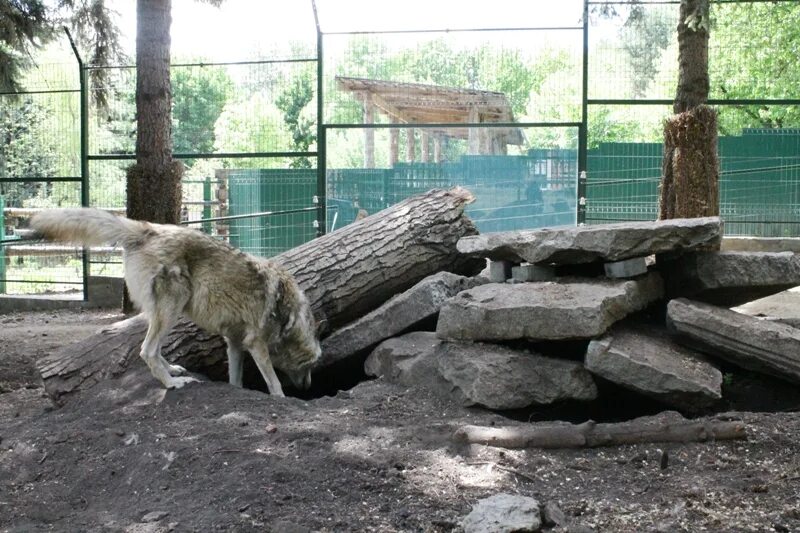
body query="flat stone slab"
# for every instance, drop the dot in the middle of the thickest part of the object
(604, 242)
(549, 310)
(476, 373)
(420, 302)
(730, 278)
(501, 378)
(764, 346)
(411, 360)
(646, 360)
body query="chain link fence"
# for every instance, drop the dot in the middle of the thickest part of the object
(550, 117)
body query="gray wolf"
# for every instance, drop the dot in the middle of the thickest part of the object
(171, 270)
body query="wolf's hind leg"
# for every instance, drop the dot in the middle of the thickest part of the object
(160, 324)
(258, 349)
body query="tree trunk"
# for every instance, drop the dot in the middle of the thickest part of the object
(693, 84)
(690, 167)
(668, 426)
(344, 274)
(154, 182)
(690, 182)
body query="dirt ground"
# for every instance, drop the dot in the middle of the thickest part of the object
(129, 456)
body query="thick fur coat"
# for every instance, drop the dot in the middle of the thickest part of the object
(171, 271)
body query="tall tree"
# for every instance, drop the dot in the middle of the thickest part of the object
(693, 25)
(690, 167)
(293, 101)
(199, 96)
(154, 181)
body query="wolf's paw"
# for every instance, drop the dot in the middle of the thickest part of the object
(177, 383)
(176, 370)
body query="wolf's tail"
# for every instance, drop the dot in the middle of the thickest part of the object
(87, 226)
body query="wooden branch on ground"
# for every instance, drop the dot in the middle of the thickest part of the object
(344, 274)
(668, 426)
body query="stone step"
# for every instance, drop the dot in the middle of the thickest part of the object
(491, 375)
(604, 242)
(420, 302)
(644, 359)
(762, 346)
(729, 278)
(551, 310)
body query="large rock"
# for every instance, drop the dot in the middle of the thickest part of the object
(420, 302)
(411, 360)
(646, 360)
(484, 374)
(500, 378)
(606, 242)
(564, 309)
(504, 513)
(760, 345)
(730, 278)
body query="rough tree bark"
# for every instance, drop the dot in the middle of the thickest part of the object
(154, 182)
(344, 274)
(690, 184)
(693, 84)
(668, 426)
(690, 167)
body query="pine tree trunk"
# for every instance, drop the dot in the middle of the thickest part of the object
(693, 84)
(690, 183)
(344, 274)
(690, 168)
(154, 182)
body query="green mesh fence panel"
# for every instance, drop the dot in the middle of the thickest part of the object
(511, 192)
(759, 182)
(264, 190)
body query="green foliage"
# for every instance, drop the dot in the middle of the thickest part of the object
(23, 25)
(199, 95)
(24, 150)
(753, 54)
(644, 37)
(294, 101)
(253, 125)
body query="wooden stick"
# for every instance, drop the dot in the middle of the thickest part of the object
(668, 426)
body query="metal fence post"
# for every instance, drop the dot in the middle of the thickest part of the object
(583, 129)
(83, 76)
(321, 196)
(2, 246)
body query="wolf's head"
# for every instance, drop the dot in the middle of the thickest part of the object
(298, 347)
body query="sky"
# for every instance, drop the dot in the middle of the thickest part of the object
(240, 29)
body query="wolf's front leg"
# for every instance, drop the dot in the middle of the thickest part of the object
(235, 362)
(258, 349)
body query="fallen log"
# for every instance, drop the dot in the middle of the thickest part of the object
(345, 274)
(668, 426)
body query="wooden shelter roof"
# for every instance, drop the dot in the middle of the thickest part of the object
(418, 103)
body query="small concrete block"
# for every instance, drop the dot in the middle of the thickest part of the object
(528, 272)
(628, 268)
(499, 271)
